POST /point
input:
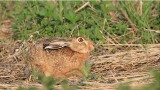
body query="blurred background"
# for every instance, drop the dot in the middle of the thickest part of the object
(112, 22)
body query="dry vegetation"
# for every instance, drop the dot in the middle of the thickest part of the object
(112, 63)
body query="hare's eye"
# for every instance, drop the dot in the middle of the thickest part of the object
(80, 39)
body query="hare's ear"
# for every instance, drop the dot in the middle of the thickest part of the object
(55, 45)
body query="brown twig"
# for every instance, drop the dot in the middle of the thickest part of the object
(83, 6)
(151, 30)
(92, 8)
(129, 20)
(140, 7)
(113, 75)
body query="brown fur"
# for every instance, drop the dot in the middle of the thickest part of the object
(59, 62)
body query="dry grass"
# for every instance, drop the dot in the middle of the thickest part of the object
(113, 64)
(13, 64)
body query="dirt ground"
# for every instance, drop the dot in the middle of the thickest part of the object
(112, 64)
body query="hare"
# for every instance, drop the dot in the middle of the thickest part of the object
(60, 57)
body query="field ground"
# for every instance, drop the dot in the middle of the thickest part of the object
(113, 64)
